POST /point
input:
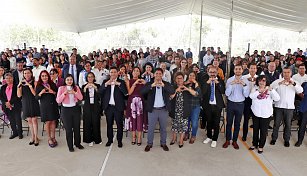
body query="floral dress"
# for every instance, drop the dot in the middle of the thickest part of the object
(179, 123)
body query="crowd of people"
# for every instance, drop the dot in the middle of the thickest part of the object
(139, 89)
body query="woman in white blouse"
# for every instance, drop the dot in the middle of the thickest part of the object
(262, 99)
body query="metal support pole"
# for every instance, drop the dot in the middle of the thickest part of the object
(230, 41)
(200, 31)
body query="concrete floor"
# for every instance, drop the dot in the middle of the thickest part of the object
(17, 158)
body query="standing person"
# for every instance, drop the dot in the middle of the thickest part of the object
(72, 68)
(247, 113)
(37, 69)
(135, 107)
(181, 108)
(54, 75)
(271, 73)
(207, 59)
(91, 111)
(195, 106)
(148, 75)
(301, 76)
(100, 71)
(113, 92)
(286, 87)
(262, 99)
(166, 74)
(237, 90)
(11, 105)
(69, 95)
(46, 93)
(213, 103)
(158, 93)
(30, 106)
(83, 74)
(18, 73)
(303, 110)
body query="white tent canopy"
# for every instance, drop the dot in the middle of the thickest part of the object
(86, 15)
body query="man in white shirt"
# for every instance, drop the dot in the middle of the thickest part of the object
(176, 64)
(37, 68)
(101, 73)
(12, 60)
(300, 77)
(207, 58)
(166, 74)
(286, 88)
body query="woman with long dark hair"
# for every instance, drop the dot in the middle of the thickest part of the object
(69, 95)
(46, 92)
(135, 106)
(91, 111)
(30, 106)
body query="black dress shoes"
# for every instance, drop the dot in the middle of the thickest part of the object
(120, 144)
(108, 144)
(164, 146)
(80, 147)
(147, 148)
(13, 136)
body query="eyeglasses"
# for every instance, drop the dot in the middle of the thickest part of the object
(262, 80)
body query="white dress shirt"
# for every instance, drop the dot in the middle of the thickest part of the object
(207, 59)
(159, 101)
(101, 75)
(299, 78)
(37, 70)
(287, 93)
(112, 101)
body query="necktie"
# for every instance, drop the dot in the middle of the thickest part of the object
(73, 72)
(212, 91)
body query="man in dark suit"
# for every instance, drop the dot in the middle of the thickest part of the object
(158, 93)
(213, 103)
(72, 68)
(271, 73)
(113, 92)
(18, 74)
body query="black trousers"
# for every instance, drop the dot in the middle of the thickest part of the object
(214, 114)
(247, 113)
(261, 126)
(112, 113)
(14, 117)
(91, 126)
(302, 127)
(71, 120)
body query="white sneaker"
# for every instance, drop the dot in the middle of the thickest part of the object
(91, 144)
(213, 144)
(206, 141)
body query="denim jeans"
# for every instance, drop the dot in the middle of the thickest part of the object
(194, 120)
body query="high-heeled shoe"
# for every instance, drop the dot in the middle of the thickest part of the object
(180, 145)
(139, 143)
(31, 142)
(36, 144)
(133, 141)
(172, 143)
(260, 151)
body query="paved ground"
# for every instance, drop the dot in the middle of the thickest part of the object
(20, 159)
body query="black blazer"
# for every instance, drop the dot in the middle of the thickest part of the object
(15, 101)
(120, 92)
(219, 91)
(65, 71)
(270, 77)
(16, 77)
(149, 93)
(86, 97)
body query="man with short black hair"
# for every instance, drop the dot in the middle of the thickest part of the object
(158, 100)
(286, 87)
(237, 89)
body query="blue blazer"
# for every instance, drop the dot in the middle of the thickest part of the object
(65, 71)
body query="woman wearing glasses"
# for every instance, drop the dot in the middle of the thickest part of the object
(262, 98)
